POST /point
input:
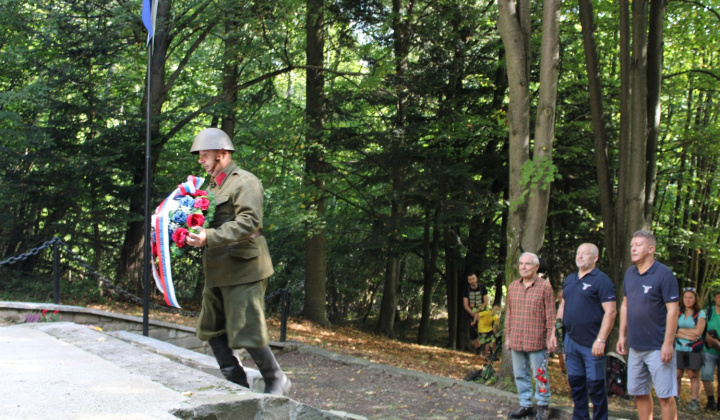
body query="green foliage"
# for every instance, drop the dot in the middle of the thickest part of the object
(72, 136)
(539, 172)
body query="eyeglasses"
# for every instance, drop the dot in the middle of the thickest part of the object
(689, 289)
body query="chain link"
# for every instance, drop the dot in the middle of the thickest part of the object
(107, 282)
(31, 253)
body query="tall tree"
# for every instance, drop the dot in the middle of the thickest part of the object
(314, 308)
(401, 48)
(640, 85)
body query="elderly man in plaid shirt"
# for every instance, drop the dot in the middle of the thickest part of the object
(530, 334)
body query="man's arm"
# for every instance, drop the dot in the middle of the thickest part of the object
(712, 342)
(551, 338)
(508, 318)
(486, 302)
(598, 348)
(692, 334)
(671, 322)
(622, 339)
(561, 309)
(466, 304)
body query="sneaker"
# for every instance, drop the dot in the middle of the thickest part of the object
(543, 412)
(521, 413)
(693, 405)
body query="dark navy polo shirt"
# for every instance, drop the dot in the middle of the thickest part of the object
(583, 313)
(646, 296)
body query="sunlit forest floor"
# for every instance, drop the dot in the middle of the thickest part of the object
(432, 359)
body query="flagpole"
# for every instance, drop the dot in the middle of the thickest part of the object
(146, 250)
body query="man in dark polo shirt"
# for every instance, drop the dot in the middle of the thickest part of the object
(588, 312)
(648, 323)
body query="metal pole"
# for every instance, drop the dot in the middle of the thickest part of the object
(285, 303)
(56, 273)
(146, 250)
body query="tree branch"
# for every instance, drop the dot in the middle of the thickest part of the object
(709, 73)
(697, 3)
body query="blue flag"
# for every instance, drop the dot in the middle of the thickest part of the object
(149, 12)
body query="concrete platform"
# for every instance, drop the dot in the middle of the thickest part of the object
(62, 370)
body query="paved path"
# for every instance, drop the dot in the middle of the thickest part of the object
(68, 371)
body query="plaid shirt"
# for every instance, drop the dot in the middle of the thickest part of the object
(530, 315)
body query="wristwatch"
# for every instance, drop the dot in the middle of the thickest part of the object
(602, 341)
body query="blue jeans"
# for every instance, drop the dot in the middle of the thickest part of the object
(525, 366)
(710, 366)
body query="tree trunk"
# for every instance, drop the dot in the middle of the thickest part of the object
(636, 150)
(454, 305)
(314, 308)
(431, 244)
(598, 125)
(514, 27)
(654, 85)
(401, 48)
(230, 72)
(539, 196)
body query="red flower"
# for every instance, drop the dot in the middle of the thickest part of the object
(44, 312)
(179, 237)
(541, 371)
(542, 390)
(202, 203)
(195, 220)
(200, 193)
(57, 311)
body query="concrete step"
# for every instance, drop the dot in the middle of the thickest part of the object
(64, 370)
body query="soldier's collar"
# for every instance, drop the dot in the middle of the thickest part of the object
(220, 178)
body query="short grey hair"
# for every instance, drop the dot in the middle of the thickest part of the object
(536, 260)
(647, 235)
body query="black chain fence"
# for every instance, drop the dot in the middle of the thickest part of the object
(56, 243)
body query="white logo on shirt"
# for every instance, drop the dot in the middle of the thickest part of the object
(647, 288)
(585, 286)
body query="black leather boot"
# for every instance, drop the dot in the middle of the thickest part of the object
(521, 413)
(228, 362)
(276, 382)
(543, 412)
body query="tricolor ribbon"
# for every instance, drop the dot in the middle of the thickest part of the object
(162, 271)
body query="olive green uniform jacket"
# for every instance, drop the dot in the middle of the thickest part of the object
(236, 267)
(230, 258)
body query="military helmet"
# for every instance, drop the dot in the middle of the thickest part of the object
(211, 139)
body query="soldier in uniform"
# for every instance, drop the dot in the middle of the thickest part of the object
(236, 264)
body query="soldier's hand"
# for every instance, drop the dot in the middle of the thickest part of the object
(197, 239)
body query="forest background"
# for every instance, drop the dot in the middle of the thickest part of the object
(383, 134)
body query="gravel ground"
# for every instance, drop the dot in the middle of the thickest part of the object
(377, 394)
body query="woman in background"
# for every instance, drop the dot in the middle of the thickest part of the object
(689, 343)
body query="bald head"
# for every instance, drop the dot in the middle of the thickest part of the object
(586, 257)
